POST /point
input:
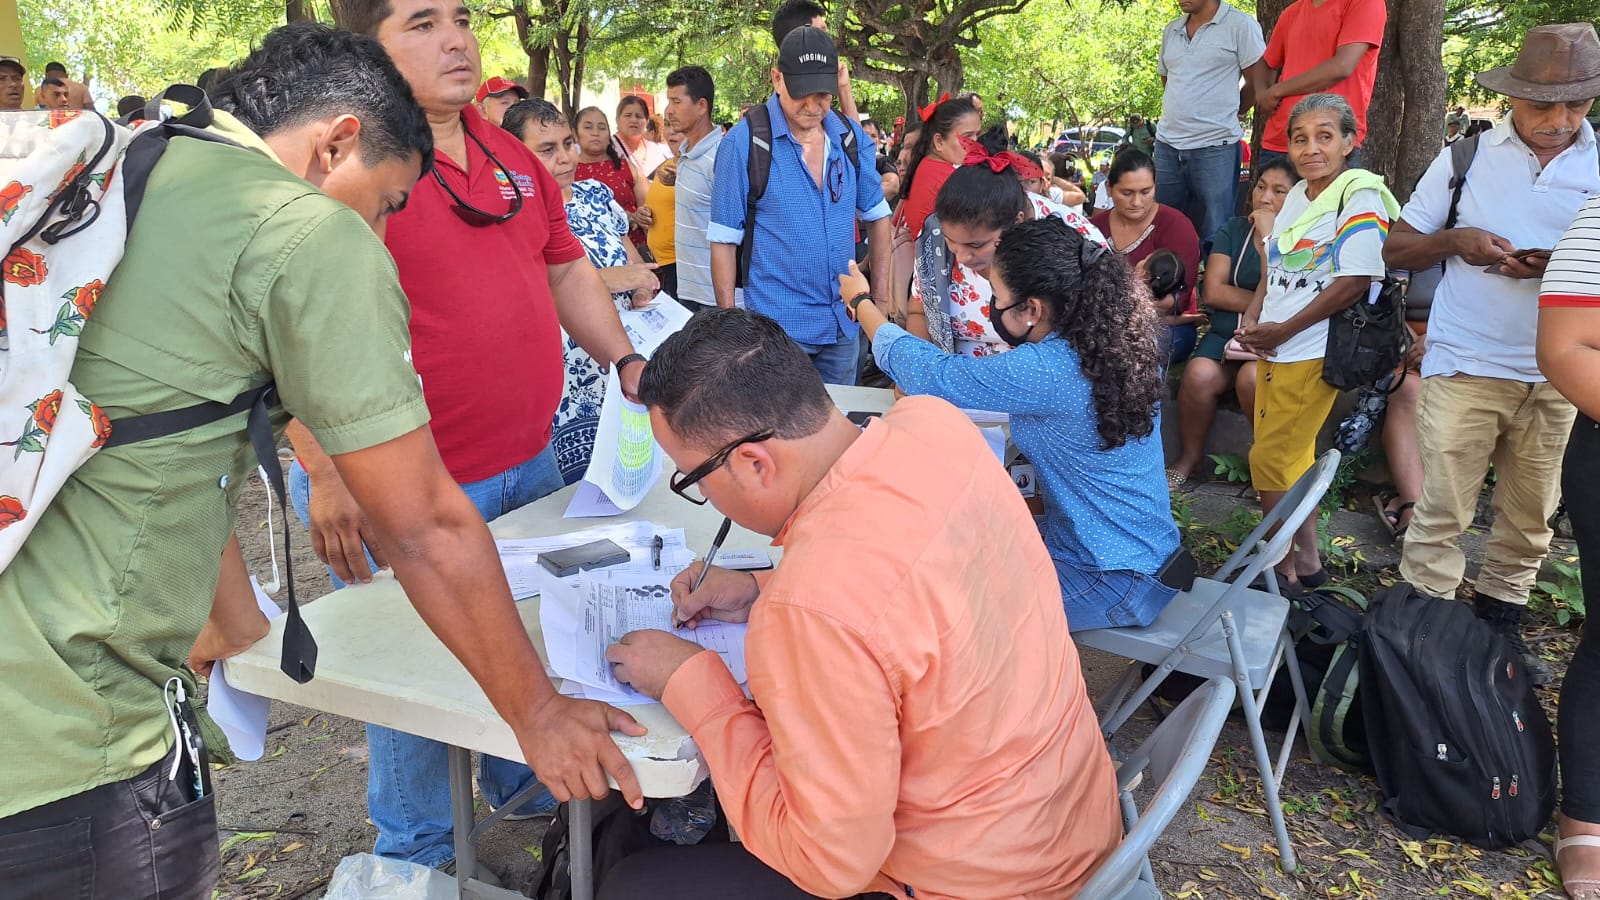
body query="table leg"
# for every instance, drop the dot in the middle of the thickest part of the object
(461, 816)
(580, 844)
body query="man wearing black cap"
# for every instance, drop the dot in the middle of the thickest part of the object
(803, 233)
(12, 75)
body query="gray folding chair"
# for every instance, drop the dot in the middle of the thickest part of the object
(1222, 627)
(1174, 756)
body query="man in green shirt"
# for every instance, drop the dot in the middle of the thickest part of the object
(246, 264)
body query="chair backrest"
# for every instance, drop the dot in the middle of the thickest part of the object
(1257, 551)
(1174, 756)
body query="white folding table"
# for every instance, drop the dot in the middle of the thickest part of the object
(378, 662)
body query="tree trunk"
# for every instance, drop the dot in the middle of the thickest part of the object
(299, 11)
(1427, 87)
(538, 57)
(1387, 111)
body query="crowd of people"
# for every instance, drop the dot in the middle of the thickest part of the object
(432, 268)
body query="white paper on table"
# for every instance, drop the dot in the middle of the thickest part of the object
(987, 417)
(995, 436)
(589, 502)
(520, 556)
(583, 615)
(241, 716)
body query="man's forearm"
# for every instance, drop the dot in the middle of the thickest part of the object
(724, 272)
(1408, 249)
(586, 311)
(880, 247)
(1319, 77)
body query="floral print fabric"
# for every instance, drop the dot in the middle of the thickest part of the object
(600, 226)
(47, 293)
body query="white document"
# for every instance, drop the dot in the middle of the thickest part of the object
(995, 436)
(241, 716)
(583, 615)
(626, 460)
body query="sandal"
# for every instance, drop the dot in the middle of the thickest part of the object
(1176, 481)
(1391, 517)
(1587, 888)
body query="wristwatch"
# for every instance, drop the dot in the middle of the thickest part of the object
(857, 300)
(631, 357)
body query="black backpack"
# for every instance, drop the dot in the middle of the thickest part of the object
(1325, 623)
(618, 831)
(758, 167)
(1458, 739)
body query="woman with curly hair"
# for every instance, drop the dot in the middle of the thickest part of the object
(1081, 385)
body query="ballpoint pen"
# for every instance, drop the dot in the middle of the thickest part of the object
(711, 557)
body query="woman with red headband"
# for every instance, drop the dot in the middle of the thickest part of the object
(937, 153)
(950, 292)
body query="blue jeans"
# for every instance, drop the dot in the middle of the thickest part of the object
(1202, 184)
(408, 782)
(1115, 599)
(837, 363)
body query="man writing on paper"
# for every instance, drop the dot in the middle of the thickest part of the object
(918, 724)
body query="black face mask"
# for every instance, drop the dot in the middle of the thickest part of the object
(997, 319)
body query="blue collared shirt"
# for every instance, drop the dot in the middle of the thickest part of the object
(1105, 510)
(805, 233)
(696, 174)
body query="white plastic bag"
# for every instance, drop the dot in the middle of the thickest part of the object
(367, 877)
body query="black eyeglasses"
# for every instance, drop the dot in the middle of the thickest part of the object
(681, 482)
(836, 178)
(471, 214)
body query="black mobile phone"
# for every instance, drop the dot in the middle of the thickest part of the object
(595, 555)
(860, 418)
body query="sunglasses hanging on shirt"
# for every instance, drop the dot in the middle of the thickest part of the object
(471, 214)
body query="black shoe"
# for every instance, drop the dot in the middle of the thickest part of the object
(1506, 618)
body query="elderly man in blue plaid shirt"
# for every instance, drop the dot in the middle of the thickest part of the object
(804, 233)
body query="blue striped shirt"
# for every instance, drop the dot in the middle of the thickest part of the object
(696, 171)
(805, 235)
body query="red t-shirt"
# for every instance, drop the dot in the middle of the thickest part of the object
(1308, 34)
(484, 334)
(930, 177)
(1171, 230)
(621, 183)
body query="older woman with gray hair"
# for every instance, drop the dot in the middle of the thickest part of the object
(1323, 252)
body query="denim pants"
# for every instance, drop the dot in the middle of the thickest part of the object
(1202, 184)
(139, 839)
(408, 782)
(1110, 599)
(837, 363)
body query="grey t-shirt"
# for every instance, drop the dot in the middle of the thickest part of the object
(1201, 105)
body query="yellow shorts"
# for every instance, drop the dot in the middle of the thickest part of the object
(1292, 403)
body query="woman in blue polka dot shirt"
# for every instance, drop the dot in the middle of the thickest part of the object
(1082, 387)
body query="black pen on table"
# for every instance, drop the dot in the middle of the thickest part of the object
(711, 557)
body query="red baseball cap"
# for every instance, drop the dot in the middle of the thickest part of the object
(498, 85)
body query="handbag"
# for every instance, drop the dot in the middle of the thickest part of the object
(1368, 340)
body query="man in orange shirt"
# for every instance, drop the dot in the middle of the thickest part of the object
(918, 721)
(1319, 45)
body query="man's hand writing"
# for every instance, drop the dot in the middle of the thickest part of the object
(568, 744)
(646, 660)
(725, 595)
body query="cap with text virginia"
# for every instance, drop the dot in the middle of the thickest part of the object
(809, 62)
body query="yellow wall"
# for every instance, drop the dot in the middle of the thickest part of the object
(10, 31)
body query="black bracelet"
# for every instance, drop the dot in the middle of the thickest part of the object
(631, 357)
(856, 300)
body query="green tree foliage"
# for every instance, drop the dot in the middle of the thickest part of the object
(1484, 34)
(1060, 62)
(135, 46)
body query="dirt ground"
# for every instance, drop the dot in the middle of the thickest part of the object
(289, 818)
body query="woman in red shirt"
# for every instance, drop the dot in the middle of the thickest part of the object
(1138, 226)
(600, 160)
(936, 154)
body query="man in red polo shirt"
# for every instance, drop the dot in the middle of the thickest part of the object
(1320, 45)
(493, 275)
